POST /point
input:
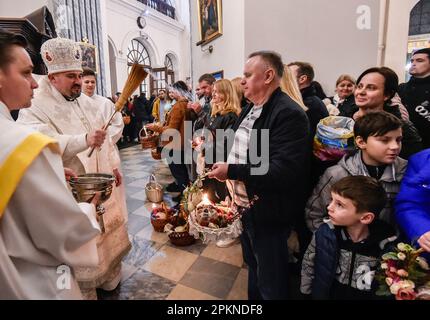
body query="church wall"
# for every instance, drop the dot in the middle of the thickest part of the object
(329, 34)
(336, 36)
(228, 53)
(161, 36)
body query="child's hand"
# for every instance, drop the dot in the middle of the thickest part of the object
(424, 241)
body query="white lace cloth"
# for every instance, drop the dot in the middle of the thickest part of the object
(207, 234)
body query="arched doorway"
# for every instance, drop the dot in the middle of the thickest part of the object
(137, 53)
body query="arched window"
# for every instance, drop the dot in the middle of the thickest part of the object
(170, 73)
(168, 63)
(137, 53)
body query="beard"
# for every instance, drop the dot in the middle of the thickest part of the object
(75, 92)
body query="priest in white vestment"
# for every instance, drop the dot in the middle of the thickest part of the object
(61, 111)
(44, 233)
(107, 108)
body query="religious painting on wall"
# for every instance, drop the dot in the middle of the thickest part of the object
(218, 75)
(89, 56)
(209, 19)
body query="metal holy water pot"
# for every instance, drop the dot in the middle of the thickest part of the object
(85, 186)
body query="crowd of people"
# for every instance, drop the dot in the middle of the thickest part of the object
(343, 214)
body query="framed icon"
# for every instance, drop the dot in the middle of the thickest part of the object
(218, 75)
(89, 56)
(209, 14)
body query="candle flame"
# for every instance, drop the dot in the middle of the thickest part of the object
(205, 200)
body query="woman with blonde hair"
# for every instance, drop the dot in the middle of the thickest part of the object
(224, 99)
(291, 88)
(225, 111)
(238, 89)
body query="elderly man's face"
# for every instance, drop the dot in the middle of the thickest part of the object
(16, 80)
(89, 85)
(68, 83)
(254, 78)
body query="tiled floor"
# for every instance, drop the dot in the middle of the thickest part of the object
(156, 269)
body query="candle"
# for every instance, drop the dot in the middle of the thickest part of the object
(205, 200)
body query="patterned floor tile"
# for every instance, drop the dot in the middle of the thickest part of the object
(154, 266)
(138, 183)
(142, 250)
(142, 285)
(127, 271)
(141, 195)
(143, 212)
(170, 263)
(138, 175)
(181, 292)
(135, 167)
(196, 248)
(134, 204)
(149, 233)
(137, 223)
(133, 161)
(128, 180)
(212, 277)
(232, 255)
(240, 287)
(132, 190)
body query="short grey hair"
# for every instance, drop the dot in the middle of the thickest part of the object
(272, 58)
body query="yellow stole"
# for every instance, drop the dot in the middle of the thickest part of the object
(13, 168)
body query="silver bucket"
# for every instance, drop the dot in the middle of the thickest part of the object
(153, 190)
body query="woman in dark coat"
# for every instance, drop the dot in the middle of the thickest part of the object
(225, 111)
(344, 100)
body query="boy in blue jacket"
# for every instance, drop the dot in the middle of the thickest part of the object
(346, 249)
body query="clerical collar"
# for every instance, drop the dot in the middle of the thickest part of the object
(70, 98)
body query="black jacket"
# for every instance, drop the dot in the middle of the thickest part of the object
(201, 120)
(317, 109)
(224, 122)
(415, 95)
(347, 107)
(142, 109)
(412, 142)
(279, 190)
(340, 265)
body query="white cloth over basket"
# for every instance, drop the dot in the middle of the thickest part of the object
(207, 234)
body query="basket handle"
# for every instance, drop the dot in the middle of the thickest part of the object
(140, 133)
(152, 178)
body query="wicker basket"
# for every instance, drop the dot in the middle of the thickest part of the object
(159, 224)
(156, 155)
(181, 239)
(149, 139)
(153, 190)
